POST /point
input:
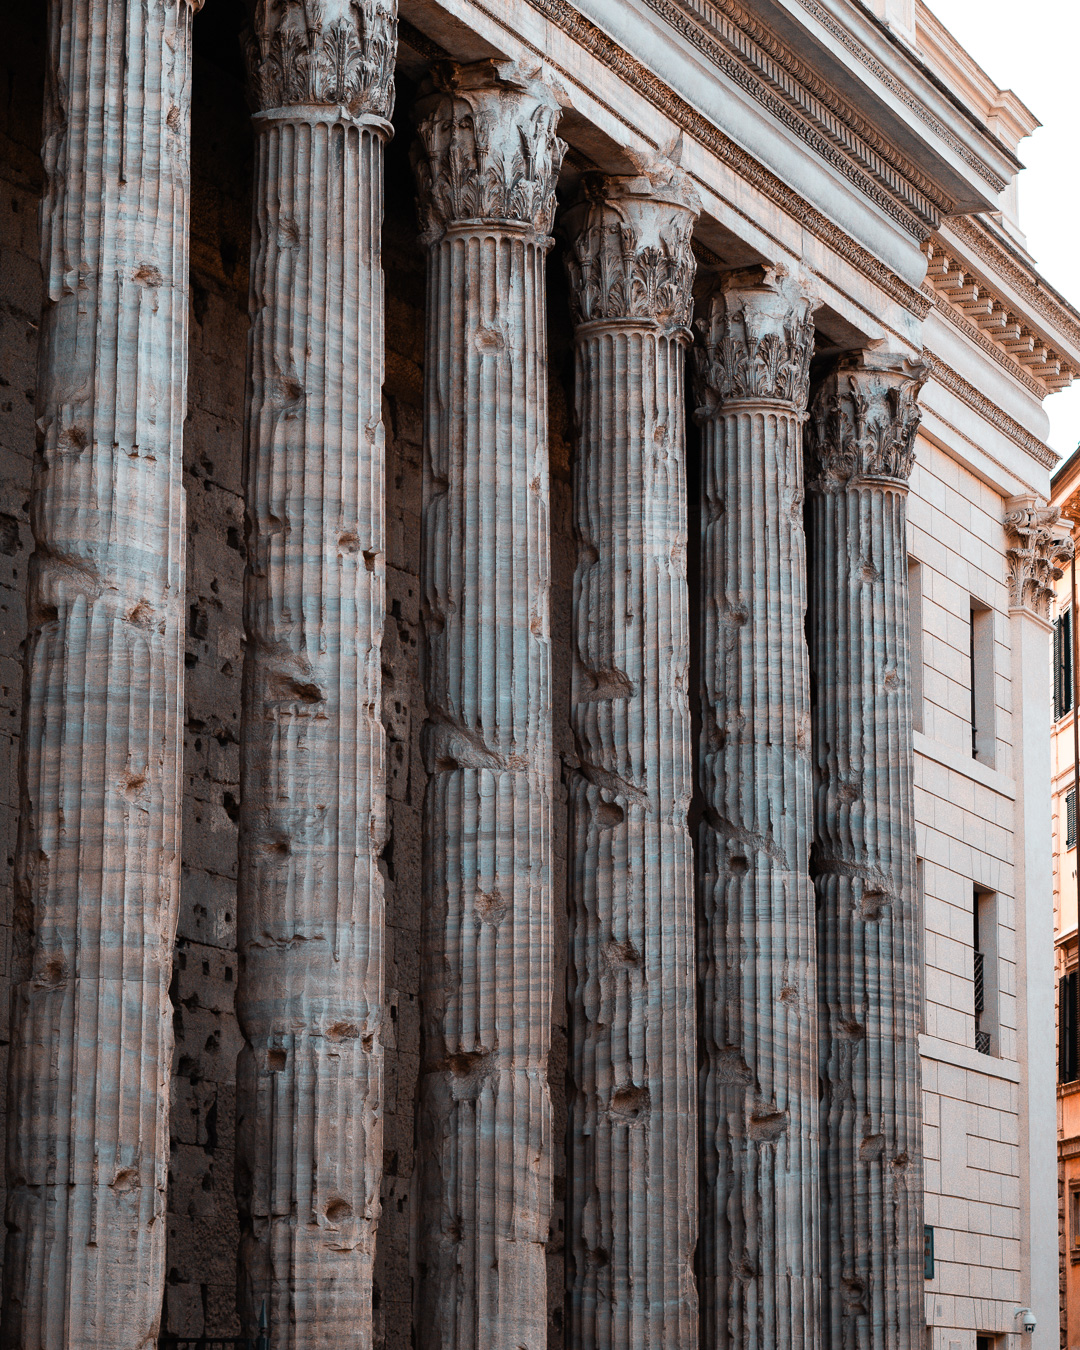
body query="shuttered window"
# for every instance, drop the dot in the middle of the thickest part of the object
(1068, 1041)
(1063, 665)
(1070, 819)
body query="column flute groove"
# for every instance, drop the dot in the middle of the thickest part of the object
(860, 451)
(98, 859)
(632, 1215)
(486, 163)
(758, 1251)
(312, 816)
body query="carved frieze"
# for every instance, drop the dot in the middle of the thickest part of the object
(757, 339)
(630, 254)
(324, 53)
(864, 420)
(488, 148)
(1038, 550)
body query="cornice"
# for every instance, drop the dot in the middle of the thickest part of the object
(900, 91)
(949, 379)
(1052, 308)
(985, 316)
(639, 78)
(953, 316)
(755, 60)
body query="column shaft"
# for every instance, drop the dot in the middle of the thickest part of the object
(310, 904)
(759, 1241)
(632, 1214)
(487, 165)
(863, 860)
(97, 873)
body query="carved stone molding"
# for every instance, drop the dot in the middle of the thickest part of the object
(757, 340)
(630, 255)
(324, 53)
(986, 408)
(864, 420)
(635, 75)
(748, 54)
(1037, 551)
(488, 148)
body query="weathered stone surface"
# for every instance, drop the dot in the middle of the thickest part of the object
(312, 814)
(632, 1118)
(486, 164)
(860, 450)
(98, 859)
(758, 1250)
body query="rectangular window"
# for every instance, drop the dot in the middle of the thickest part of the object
(985, 1342)
(1070, 819)
(915, 640)
(983, 700)
(928, 1252)
(1074, 1220)
(1063, 665)
(1068, 1041)
(984, 943)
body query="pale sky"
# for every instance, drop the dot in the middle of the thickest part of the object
(1032, 49)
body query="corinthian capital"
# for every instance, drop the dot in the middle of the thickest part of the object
(757, 340)
(324, 53)
(488, 149)
(1038, 550)
(864, 420)
(630, 254)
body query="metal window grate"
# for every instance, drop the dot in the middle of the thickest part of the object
(982, 1042)
(980, 983)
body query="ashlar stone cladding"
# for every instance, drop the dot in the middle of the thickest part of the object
(964, 824)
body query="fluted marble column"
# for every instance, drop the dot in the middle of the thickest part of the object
(486, 163)
(97, 873)
(632, 1127)
(310, 904)
(860, 449)
(759, 1090)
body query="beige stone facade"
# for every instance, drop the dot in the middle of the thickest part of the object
(554, 853)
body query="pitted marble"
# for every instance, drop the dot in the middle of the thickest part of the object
(758, 1084)
(98, 866)
(632, 1127)
(486, 164)
(860, 452)
(312, 819)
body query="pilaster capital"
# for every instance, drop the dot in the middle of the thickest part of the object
(487, 148)
(1038, 549)
(629, 255)
(864, 420)
(757, 339)
(324, 54)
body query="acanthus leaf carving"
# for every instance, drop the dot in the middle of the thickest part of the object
(864, 420)
(757, 341)
(324, 53)
(488, 148)
(1038, 553)
(630, 255)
